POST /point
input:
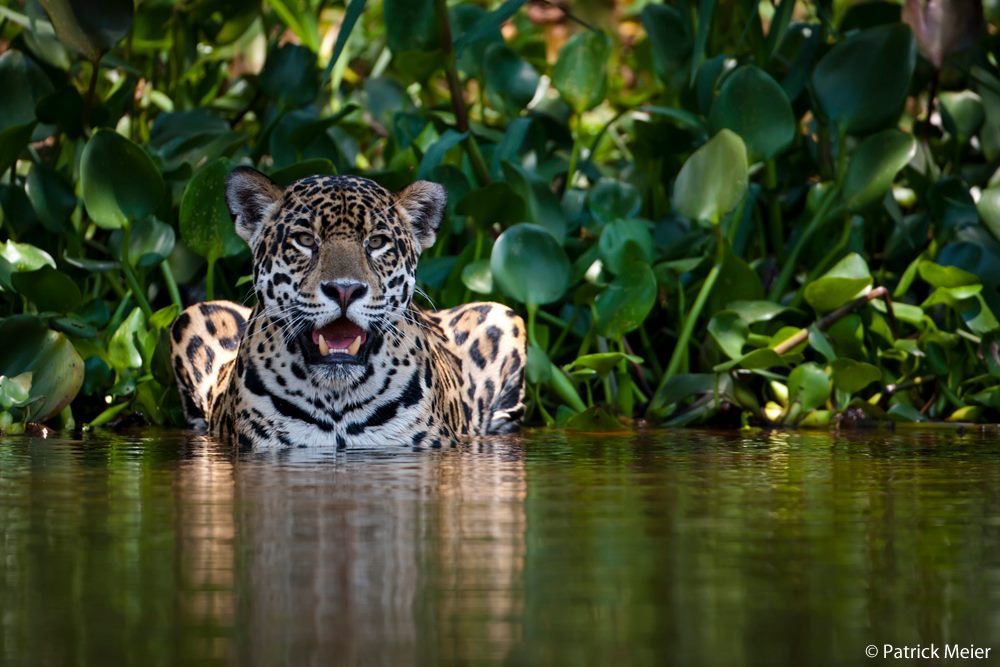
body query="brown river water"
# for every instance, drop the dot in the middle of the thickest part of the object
(660, 548)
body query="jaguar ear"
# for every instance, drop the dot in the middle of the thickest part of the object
(424, 203)
(249, 193)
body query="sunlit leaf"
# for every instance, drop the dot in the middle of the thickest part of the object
(527, 245)
(713, 180)
(581, 70)
(873, 167)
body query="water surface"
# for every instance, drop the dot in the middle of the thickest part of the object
(679, 547)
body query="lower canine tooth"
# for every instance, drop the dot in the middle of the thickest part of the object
(324, 349)
(355, 346)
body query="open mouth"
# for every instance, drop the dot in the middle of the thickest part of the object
(338, 342)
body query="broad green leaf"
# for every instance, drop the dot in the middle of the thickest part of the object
(92, 27)
(670, 36)
(48, 289)
(120, 184)
(56, 368)
(122, 349)
(538, 366)
(51, 197)
(581, 70)
(477, 277)
(761, 359)
(962, 113)
(543, 207)
(937, 275)
(611, 199)
(730, 332)
(853, 376)
(150, 242)
(602, 363)
(529, 265)
(625, 304)
(24, 84)
(754, 106)
(25, 257)
(494, 203)
(809, 385)
(488, 24)
(435, 154)
(988, 207)
(511, 81)
(624, 243)
(205, 224)
(756, 311)
(15, 391)
(411, 25)
(861, 83)
(843, 282)
(291, 76)
(713, 180)
(873, 167)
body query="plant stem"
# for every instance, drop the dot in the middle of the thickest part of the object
(210, 280)
(689, 323)
(168, 277)
(575, 155)
(88, 101)
(457, 98)
(788, 269)
(775, 225)
(133, 281)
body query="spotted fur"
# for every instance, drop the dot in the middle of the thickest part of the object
(427, 378)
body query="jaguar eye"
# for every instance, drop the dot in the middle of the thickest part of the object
(377, 242)
(305, 239)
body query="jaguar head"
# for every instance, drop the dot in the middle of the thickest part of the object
(334, 258)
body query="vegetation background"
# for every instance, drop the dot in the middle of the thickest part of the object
(729, 211)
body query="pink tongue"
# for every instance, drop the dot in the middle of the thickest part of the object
(339, 334)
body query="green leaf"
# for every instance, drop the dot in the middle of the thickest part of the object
(312, 167)
(488, 24)
(410, 25)
(51, 197)
(24, 84)
(92, 27)
(852, 376)
(539, 367)
(494, 203)
(351, 15)
(122, 350)
(624, 243)
(543, 207)
(713, 180)
(670, 36)
(477, 277)
(874, 165)
(730, 332)
(611, 199)
(48, 289)
(756, 310)
(761, 359)
(150, 242)
(962, 113)
(581, 70)
(754, 106)
(435, 154)
(988, 207)
(861, 83)
(57, 370)
(25, 257)
(291, 76)
(119, 182)
(15, 391)
(625, 304)
(937, 275)
(602, 363)
(809, 385)
(511, 81)
(529, 265)
(205, 224)
(843, 282)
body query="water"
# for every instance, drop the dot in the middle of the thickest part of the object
(682, 547)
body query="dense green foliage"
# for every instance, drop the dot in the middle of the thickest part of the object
(735, 211)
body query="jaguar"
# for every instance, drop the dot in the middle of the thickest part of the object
(335, 352)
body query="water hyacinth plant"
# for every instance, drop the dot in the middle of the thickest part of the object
(745, 212)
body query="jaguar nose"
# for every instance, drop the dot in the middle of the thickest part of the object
(344, 293)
